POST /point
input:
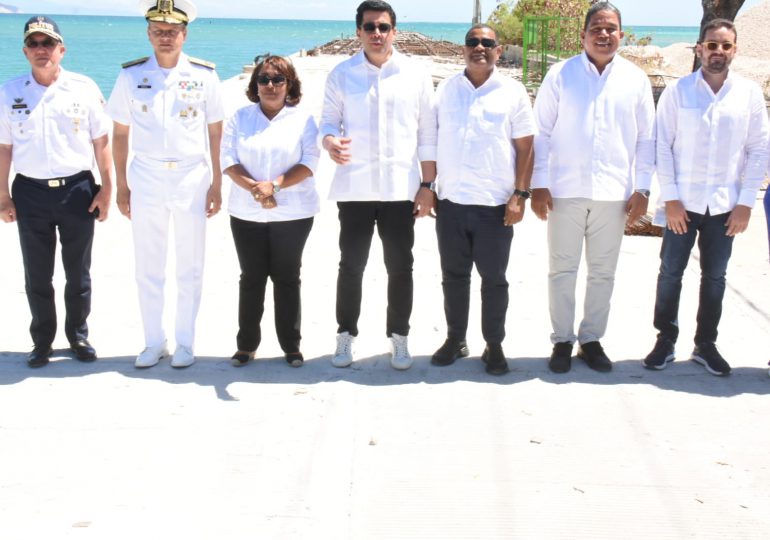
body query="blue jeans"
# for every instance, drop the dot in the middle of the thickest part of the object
(715, 249)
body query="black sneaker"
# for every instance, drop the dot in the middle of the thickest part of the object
(494, 360)
(660, 356)
(708, 356)
(561, 357)
(593, 355)
(450, 351)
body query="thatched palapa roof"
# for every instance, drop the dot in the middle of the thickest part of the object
(406, 42)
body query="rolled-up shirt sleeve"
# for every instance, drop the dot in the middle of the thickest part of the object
(427, 130)
(310, 151)
(756, 151)
(333, 106)
(228, 150)
(546, 113)
(645, 142)
(664, 144)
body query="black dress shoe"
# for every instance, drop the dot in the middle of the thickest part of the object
(39, 357)
(295, 359)
(561, 357)
(83, 350)
(450, 351)
(494, 358)
(593, 354)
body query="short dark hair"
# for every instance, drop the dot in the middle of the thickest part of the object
(374, 5)
(716, 24)
(602, 6)
(480, 26)
(285, 68)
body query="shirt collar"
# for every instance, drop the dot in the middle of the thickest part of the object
(591, 68)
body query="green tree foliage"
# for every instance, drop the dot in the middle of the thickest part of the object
(508, 17)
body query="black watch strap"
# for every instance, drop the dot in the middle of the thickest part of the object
(522, 193)
(430, 185)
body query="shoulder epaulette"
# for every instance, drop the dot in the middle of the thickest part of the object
(204, 63)
(135, 62)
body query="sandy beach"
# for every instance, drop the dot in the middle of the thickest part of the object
(105, 451)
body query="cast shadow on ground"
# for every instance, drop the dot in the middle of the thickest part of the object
(219, 374)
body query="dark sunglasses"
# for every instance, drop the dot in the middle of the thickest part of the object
(473, 42)
(370, 27)
(277, 80)
(714, 45)
(48, 43)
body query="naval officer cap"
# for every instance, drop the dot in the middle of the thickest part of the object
(168, 11)
(40, 24)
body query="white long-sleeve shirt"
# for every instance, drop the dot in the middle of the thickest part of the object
(267, 149)
(711, 148)
(476, 160)
(387, 114)
(596, 132)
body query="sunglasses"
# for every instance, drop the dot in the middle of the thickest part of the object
(474, 42)
(714, 45)
(174, 32)
(48, 43)
(370, 27)
(277, 80)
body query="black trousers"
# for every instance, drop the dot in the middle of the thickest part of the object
(469, 234)
(41, 212)
(271, 250)
(395, 225)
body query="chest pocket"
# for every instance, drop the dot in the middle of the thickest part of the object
(189, 106)
(71, 116)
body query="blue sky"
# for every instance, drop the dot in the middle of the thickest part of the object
(639, 12)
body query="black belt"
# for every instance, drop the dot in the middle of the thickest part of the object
(62, 181)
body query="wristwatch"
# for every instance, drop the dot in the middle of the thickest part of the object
(276, 186)
(643, 192)
(430, 185)
(522, 193)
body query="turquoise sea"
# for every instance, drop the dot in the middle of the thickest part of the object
(97, 45)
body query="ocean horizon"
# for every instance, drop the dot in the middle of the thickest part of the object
(98, 45)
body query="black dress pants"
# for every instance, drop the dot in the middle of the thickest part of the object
(271, 250)
(395, 226)
(41, 212)
(469, 234)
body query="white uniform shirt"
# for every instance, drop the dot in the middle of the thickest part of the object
(711, 148)
(267, 149)
(170, 113)
(596, 135)
(476, 159)
(387, 113)
(52, 128)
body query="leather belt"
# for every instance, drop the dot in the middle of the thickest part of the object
(55, 183)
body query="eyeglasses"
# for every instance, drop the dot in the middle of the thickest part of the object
(172, 33)
(277, 80)
(48, 43)
(474, 42)
(370, 27)
(714, 45)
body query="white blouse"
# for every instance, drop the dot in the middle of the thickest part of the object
(267, 149)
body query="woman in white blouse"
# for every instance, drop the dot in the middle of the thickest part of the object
(269, 150)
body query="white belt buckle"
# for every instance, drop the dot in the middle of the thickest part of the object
(170, 164)
(54, 183)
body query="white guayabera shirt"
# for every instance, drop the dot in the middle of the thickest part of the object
(596, 135)
(711, 148)
(387, 112)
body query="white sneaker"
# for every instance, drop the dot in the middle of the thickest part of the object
(400, 357)
(343, 355)
(151, 356)
(183, 357)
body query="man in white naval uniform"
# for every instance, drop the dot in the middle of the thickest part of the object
(52, 127)
(170, 105)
